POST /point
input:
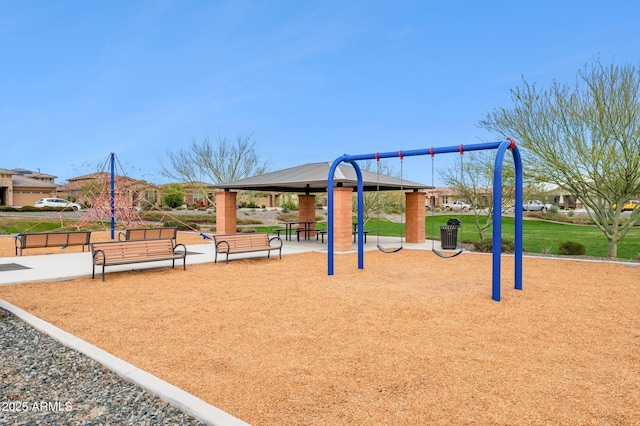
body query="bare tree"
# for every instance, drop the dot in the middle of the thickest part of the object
(207, 162)
(585, 139)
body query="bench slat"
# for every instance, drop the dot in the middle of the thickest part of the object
(149, 233)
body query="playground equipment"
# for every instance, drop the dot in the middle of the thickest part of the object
(501, 147)
(111, 199)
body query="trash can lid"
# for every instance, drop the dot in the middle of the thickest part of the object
(453, 222)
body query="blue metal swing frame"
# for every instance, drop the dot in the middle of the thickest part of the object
(502, 147)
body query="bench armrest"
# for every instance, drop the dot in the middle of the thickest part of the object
(97, 253)
(275, 238)
(184, 249)
(223, 242)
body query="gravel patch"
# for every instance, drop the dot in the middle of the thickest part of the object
(42, 382)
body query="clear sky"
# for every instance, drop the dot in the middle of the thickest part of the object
(309, 80)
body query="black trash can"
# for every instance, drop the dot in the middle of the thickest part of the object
(453, 222)
(449, 234)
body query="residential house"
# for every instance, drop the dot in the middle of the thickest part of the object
(438, 197)
(88, 188)
(197, 194)
(21, 187)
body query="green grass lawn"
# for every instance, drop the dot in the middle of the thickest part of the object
(539, 236)
(542, 236)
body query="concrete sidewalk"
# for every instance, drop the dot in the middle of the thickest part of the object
(66, 266)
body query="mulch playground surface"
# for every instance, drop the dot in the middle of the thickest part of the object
(410, 340)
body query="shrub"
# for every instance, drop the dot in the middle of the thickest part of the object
(173, 195)
(486, 246)
(170, 224)
(571, 249)
(393, 210)
(8, 209)
(173, 200)
(289, 205)
(180, 225)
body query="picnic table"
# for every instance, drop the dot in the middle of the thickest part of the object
(304, 227)
(320, 233)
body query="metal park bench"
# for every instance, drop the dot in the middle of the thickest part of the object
(246, 243)
(51, 239)
(136, 251)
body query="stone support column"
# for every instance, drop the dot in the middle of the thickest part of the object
(342, 219)
(414, 217)
(226, 212)
(307, 210)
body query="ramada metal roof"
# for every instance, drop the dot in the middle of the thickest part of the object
(313, 178)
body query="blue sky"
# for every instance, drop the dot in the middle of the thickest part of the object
(308, 80)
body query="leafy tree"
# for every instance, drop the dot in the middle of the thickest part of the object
(585, 139)
(214, 162)
(173, 195)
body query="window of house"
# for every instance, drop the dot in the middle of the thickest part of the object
(150, 196)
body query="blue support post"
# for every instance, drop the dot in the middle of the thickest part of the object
(496, 241)
(519, 233)
(112, 195)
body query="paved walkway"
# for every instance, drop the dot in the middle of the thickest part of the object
(65, 266)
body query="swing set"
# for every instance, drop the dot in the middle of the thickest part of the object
(501, 148)
(451, 222)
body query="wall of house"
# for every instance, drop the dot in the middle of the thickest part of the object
(28, 196)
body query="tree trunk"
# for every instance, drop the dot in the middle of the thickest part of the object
(612, 248)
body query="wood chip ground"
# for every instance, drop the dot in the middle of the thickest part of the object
(410, 340)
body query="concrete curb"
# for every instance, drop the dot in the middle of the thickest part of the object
(169, 393)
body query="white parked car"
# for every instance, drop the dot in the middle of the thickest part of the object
(57, 202)
(457, 205)
(535, 206)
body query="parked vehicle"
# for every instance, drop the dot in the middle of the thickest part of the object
(57, 202)
(629, 205)
(457, 205)
(535, 206)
